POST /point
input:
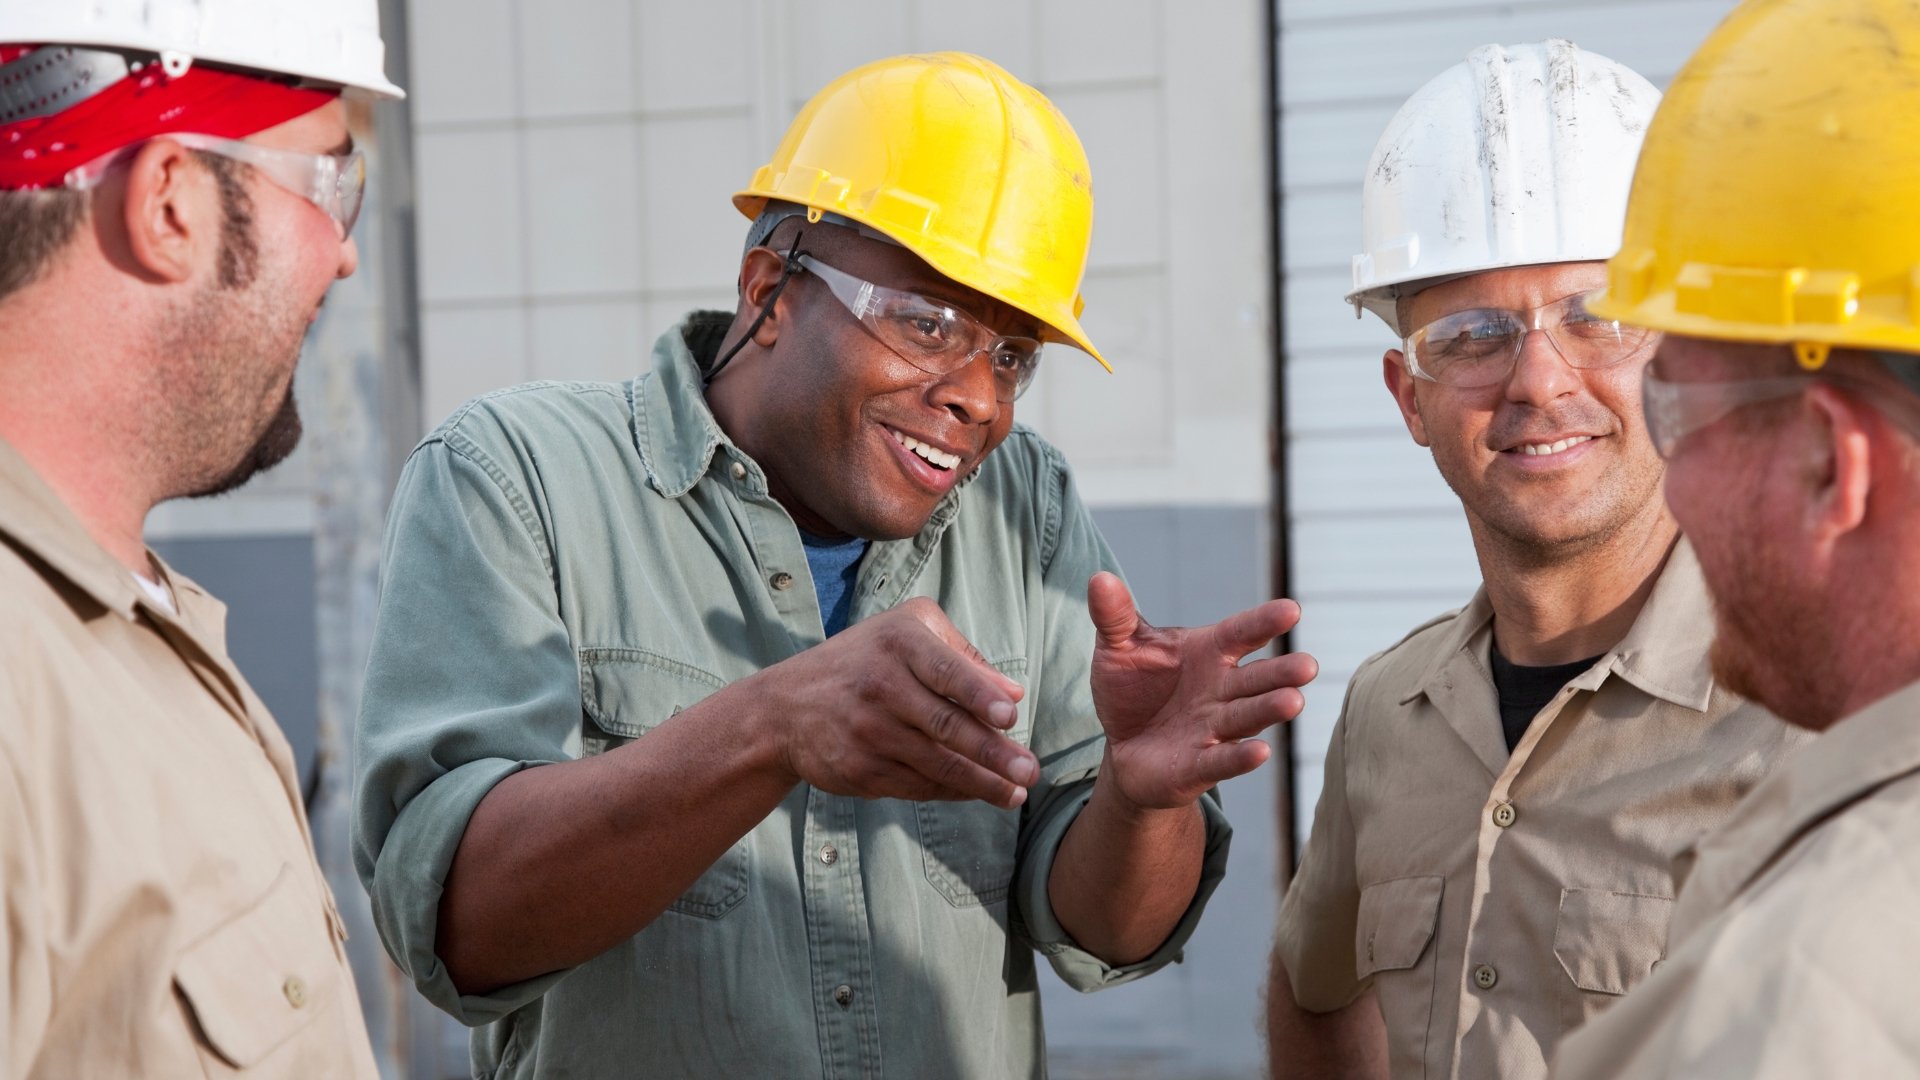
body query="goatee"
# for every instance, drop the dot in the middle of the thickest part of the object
(282, 434)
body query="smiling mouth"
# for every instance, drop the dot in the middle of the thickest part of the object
(932, 455)
(1548, 449)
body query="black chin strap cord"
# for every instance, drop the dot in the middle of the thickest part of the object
(791, 267)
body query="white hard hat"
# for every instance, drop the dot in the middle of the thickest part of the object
(335, 42)
(1518, 155)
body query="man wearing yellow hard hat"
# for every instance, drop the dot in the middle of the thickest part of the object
(1774, 235)
(764, 715)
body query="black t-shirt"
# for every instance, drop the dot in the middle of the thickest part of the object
(1524, 691)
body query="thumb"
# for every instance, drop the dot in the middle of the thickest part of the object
(1111, 606)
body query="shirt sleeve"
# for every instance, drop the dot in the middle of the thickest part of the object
(471, 677)
(1068, 740)
(1318, 915)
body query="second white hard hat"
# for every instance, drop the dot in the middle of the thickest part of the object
(1518, 155)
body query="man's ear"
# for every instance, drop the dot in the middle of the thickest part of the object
(170, 211)
(760, 272)
(1402, 384)
(1839, 472)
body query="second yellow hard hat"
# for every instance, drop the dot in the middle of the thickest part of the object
(1777, 197)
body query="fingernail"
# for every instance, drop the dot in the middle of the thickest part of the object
(1024, 771)
(1002, 713)
(1019, 797)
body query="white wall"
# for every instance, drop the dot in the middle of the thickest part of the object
(1378, 542)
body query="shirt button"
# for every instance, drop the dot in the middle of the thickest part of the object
(739, 471)
(829, 855)
(843, 995)
(782, 581)
(1484, 976)
(296, 990)
(1505, 815)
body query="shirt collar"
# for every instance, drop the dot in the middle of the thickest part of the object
(1663, 654)
(673, 428)
(41, 522)
(1860, 754)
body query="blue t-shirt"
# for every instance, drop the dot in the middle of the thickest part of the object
(834, 564)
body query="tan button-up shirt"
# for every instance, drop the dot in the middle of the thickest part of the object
(1795, 940)
(1496, 901)
(161, 912)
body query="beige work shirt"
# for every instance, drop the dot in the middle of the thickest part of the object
(1797, 934)
(161, 912)
(1495, 901)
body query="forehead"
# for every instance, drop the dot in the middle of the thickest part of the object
(1692, 359)
(895, 267)
(1516, 287)
(321, 131)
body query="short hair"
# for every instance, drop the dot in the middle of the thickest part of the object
(37, 224)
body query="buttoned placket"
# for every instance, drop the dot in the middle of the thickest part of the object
(839, 948)
(1500, 816)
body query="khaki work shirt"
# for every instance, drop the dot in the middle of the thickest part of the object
(1494, 901)
(161, 912)
(1797, 933)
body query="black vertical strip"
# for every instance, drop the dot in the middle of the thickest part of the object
(1287, 812)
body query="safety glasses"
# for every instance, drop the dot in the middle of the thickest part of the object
(932, 336)
(336, 183)
(1479, 346)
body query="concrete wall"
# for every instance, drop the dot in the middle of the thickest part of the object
(1377, 541)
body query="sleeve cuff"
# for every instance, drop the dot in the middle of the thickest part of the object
(409, 878)
(1077, 967)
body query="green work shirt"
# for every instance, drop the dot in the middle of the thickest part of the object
(568, 565)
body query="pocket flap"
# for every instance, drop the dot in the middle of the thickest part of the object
(629, 692)
(1608, 941)
(1396, 923)
(262, 976)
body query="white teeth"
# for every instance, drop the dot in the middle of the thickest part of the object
(1543, 449)
(932, 454)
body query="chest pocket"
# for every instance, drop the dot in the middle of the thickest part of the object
(968, 848)
(1607, 942)
(626, 693)
(1393, 939)
(257, 981)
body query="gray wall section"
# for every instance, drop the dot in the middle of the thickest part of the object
(267, 584)
(1190, 564)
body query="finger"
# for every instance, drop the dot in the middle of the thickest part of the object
(961, 678)
(1237, 635)
(1226, 761)
(944, 723)
(1110, 603)
(886, 779)
(929, 615)
(1260, 676)
(1248, 717)
(950, 771)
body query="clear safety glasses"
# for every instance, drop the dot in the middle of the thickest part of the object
(1675, 410)
(932, 336)
(335, 183)
(1478, 347)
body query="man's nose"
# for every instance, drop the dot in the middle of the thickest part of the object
(1540, 373)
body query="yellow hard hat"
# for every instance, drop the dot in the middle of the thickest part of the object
(1777, 197)
(964, 165)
